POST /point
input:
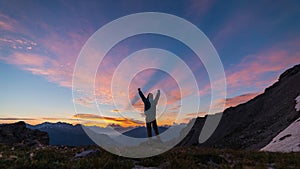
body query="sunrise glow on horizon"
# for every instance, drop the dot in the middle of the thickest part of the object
(40, 42)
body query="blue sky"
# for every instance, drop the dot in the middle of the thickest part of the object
(40, 41)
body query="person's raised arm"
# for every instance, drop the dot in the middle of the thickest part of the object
(141, 95)
(157, 96)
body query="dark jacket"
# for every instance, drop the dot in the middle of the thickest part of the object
(150, 106)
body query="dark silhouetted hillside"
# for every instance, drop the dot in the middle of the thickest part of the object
(253, 124)
(17, 133)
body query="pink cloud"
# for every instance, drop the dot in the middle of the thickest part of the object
(253, 68)
(196, 114)
(7, 23)
(234, 101)
(5, 26)
(52, 55)
(25, 59)
(87, 101)
(44, 66)
(56, 63)
(17, 43)
(258, 71)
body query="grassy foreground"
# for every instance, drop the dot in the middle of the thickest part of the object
(180, 157)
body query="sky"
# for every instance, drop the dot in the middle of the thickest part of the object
(40, 42)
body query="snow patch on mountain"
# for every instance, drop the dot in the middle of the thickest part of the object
(297, 107)
(289, 139)
(286, 141)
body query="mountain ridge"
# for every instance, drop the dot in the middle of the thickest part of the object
(253, 124)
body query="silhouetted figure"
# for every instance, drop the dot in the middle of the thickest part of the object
(150, 111)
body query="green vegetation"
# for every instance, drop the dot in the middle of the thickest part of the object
(180, 157)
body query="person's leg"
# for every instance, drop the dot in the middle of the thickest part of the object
(155, 127)
(148, 125)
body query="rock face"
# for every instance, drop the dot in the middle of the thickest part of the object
(252, 125)
(17, 133)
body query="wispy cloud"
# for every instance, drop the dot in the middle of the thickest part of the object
(52, 54)
(257, 71)
(234, 24)
(234, 101)
(115, 111)
(17, 43)
(7, 23)
(35, 121)
(199, 8)
(41, 65)
(252, 70)
(245, 20)
(196, 114)
(15, 119)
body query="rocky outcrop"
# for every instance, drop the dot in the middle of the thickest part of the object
(253, 124)
(17, 133)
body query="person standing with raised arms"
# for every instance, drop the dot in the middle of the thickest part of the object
(150, 111)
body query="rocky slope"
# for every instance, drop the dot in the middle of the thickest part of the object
(17, 133)
(254, 124)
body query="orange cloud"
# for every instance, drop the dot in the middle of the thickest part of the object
(115, 111)
(35, 121)
(125, 122)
